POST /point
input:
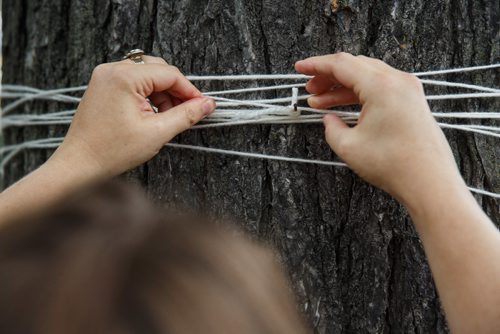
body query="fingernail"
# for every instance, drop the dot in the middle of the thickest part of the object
(312, 101)
(208, 106)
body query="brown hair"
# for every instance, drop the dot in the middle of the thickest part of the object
(106, 261)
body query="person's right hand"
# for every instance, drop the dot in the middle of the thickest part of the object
(396, 145)
(115, 128)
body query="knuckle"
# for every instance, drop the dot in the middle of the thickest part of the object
(100, 70)
(388, 81)
(160, 60)
(119, 73)
(385, 80)
(397, 82)
(343, 148)
(154, 60)
(337, 143)
(342, 56)
(175, 69)
(379, 63)
(413, 82)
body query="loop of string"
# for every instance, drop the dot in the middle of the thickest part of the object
(233, 112)
(53, 143)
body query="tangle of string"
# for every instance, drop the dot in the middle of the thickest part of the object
(287, 109)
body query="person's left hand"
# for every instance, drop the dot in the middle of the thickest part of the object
(115, 128)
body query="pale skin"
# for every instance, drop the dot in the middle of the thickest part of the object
(114, 130)
(396, 146)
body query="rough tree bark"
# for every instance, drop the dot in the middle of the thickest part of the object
(354, 259)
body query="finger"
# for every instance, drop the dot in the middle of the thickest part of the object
(146, 107)
(176, 101)
(377, 63)
(182, 117)
(337, 97)
(348, 70)
(320, 84)
(147, 60)
(153, 78)
(163, 101)
(336, 133)
(154, 60)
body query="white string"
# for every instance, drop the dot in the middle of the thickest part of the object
(471, 129)
(269, 114)
(250, 77)
(230, 112)
(9, 152)
(457, 70)
(254, 89)
(306, 77)
(53, 143)
(471, 115)
(43, 94)
(264, 111)
(485, 127)
(257, 155)
(290, 159)
(53, 95)
(49, 95)
(458, 85)
(304, 119)
(32, 94)
(462, 96)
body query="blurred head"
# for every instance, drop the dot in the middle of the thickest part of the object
(106, 261)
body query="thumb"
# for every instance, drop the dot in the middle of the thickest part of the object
(185, 115)
(336, 133)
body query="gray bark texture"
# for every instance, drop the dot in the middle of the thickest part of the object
(352, 254)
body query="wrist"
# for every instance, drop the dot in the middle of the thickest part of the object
(43, 188)
(74, 167)
(416, 183)
(78, 163)
(433, 196)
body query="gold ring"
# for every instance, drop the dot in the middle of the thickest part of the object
(136, 56)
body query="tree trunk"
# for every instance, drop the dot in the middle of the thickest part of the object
(354, 259)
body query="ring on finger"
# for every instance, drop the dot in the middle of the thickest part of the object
(135, 55)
